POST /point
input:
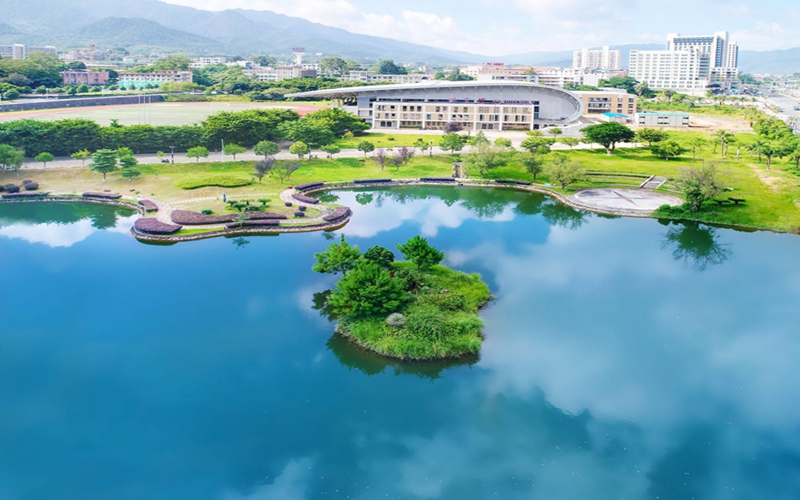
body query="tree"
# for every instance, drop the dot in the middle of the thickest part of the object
(669, 94)
(333, 66)
(365, 147)
(368, 290)
(697, 144)
(338, 121)
(723, 138)
(266, 149)
(555, 131)
(104, 161)
(484, 158)
(571, 141)
(388, 67)
(11, 95)
(421, 144)
(380, 157)
(651, 136)
(130, 173)
(263, 167)
(699, 184)
(537, 144)
(453, 127)
(772, 150)
(44, 157)
(337, 258)
(300, 149)
(380, 255)
(451, 142)
(620, 82)
(534, 164)
(405, 154)
(160, 155)
(307, 131)
(246, 127)
(82, 89)
(563, 171)
(420, 252)
(478, 139)
(793, 152)
(172, 63)
(502, 142)
(128, 162)
(197, 153)
(233, 150)
(286, 170)
(81, 156)
(667, 149)
(608, 135)
(124, 151)
(11, 157)
(641, 89)
(331, 149)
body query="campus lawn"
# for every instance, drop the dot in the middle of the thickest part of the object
(388, 140)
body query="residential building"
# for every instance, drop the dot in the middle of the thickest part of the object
(84, 77)
(604, 58)
(370, 77)
(531, 78)
(477, 105)
(202, 62)
(690, 64)
(140, 80)
(558, 77)
(20, 51)
(279, 73)
(476, 71)
(608, 101)
(661, 119)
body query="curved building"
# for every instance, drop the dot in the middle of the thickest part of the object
(492, 105)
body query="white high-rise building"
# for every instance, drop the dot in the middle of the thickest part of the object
(689, 63)
(604, 58)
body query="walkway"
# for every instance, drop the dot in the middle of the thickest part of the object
(623, 201)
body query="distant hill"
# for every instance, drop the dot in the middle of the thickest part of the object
(155, 25)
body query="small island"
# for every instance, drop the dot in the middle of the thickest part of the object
(414, 310)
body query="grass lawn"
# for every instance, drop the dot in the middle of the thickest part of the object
(384, 140)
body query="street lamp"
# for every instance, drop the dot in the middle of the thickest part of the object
(172, 154)
(431, 153)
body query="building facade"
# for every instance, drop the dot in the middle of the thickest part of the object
(661, 119)
(616, 101)
(476, 105)
(604, 58)
(691, 64)
(280, 73)
(20, 51)
(83, 77)
(495, 69)
(558, 77)
(370, 77)
(140, 80)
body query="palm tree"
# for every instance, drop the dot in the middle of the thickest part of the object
(697, 144)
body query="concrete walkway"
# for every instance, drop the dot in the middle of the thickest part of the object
(623, 201)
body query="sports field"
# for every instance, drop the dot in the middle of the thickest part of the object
(161, 113)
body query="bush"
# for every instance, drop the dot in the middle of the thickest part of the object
(305, 199)
(380, 255)
(413, 278)
(224, 180)
(288, 203)
(396, 320)
(189, 218)
(303, 187)
(299, 214)
(302, 209)
(206, 211)
(340, 213)
(104, 196)
(26, 181)
(31, 186)
(154, 226)
(12, 188)
(2, 188)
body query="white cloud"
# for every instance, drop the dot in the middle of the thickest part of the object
(292, 483)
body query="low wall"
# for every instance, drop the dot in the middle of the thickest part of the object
(78, 102)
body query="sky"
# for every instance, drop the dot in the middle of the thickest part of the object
(500, 27)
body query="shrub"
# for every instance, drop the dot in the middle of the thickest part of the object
(288, 203)
(206, 211)
(390, 139)
(263, 201)
(303, 187)
(26, 181)
(305, 199)
(437, 179)
(154, 226)
(371, 181)
(380, 255)
(12, 188)
(31, 186)
(104, 196)
(223, 180)
(337, 215)
(24, 195)
(299, 214)
(302, 209)
(2, 188)
(189, 218)
(396, 320)
(412, 277)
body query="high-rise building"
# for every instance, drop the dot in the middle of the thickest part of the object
(604, 58)
(689, 63)
(20, 51)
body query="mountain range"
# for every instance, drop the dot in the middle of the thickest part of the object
(152, 25)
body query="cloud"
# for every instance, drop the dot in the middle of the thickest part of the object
(292, 483)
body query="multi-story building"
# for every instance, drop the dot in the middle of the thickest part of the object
(662, 119)
(279, 73)
(202, 62)
(83, 77)
(490, 69)
(558, 77)
(477, 105)
(370, 77)
(604, 58)
(604, 101)
(690, 63)
(140, 80)
(20, 51)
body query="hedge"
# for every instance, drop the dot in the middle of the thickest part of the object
(104, 196)
(189, 218)
(148, 205)
(24, 195)
(310, 185)
(305, 199)
(228, 181)
(253, 223)
(512, 181)
(337, 215)
(371, 181)
(154, 226)
(30, 186)
(299, 214)
(12, 188)
(437, 179)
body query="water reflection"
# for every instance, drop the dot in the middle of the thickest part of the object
(240, 242)
(62, 224)
(697, 245)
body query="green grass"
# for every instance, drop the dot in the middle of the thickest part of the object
(386, 140)
(437, 325)
(723, 110)
(228, 181)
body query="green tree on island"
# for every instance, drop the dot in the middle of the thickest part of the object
(104, 161)
(44, 157)
(337, 258)
(233, 150)
(421, 253)
(380, 255)
(608, 135)
(368, 290)
(366, 147)
(197, 153)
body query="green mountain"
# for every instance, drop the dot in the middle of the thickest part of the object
(142, 35)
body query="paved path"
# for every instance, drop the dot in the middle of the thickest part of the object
(623, 201)
(654, 183)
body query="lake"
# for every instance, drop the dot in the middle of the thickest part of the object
(624, 359)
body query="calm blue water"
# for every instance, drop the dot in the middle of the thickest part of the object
(624, 359)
